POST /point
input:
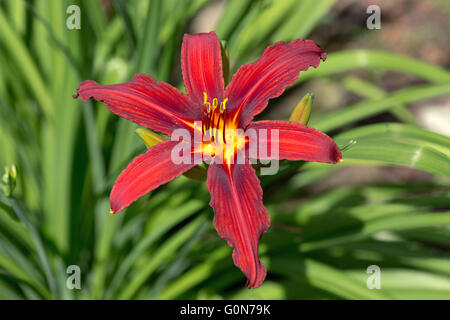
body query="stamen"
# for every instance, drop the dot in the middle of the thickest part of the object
(223, 105)
(223, 130)
(211, 126)
(213, 119)
(217, 126)
(208, 121)
(206, 103)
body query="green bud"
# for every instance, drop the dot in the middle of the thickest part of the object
(225, 61)
(9, 180)
(150, 138)
(302, 110)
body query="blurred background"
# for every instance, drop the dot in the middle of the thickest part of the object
(383, 95)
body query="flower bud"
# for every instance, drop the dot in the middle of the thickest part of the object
(302, 110)
(150, 138)
(225, 61)
(9, 180)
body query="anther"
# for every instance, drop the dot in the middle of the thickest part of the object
(206, 103)
(223, 105)
(214, 121)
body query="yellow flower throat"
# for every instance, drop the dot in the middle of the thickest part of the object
(218, 129)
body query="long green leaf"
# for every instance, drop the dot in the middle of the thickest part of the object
(376, 60)
(364, 109)
(396, 144)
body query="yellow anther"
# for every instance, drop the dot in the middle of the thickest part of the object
(215, 103)
(205, 102)
(223, 105)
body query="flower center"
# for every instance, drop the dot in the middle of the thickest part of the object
(214, 119)
(219, 131)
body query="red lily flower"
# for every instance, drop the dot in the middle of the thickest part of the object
(236, 196)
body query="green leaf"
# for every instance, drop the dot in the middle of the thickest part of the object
(302, 20)
(231, 17)
(24, 63)
(376, 60)
(360, 230)
(169, 247)
(410, 284)
(324, 277)
(402, 132)
(365, 109)
(396, 144)
(260, 27)
(162, 222)
(370, 91)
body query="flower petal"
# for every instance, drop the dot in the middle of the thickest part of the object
(254, 84)
(145, 173)
(201, 63)
(295, 142)
(240, 216)
(152, 104)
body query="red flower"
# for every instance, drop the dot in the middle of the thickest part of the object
(236, 196)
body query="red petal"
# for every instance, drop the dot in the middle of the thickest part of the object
(254, 84)
(151, 104)
(240, 216)
(201, 62)
(297, 142)
(145, 173)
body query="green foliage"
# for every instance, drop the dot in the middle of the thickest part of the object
(68, 153)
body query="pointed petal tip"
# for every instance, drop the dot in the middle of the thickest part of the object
(337, 154)
(323, 54)
(87, 84)
(258, 279)
(76, 95)
(111, 211)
